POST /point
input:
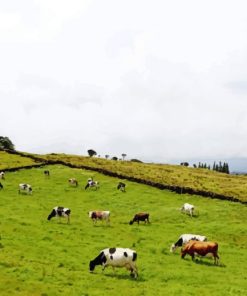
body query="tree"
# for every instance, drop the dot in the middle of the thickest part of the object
(91, 152)
(114, 158)
(136, 160)
(124, 155)
(107, 156)
(5, 143)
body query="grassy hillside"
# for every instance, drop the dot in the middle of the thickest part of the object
(176, 175)
(40, 257)
(9, 161)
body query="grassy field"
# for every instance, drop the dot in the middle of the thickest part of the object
(8, 161)
(40, 257)
(176, 175)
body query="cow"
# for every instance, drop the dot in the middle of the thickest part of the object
(47, 173)
(121, 186)
(1, 185)
(200, 248)
(60, 212)
(188, 208)
(99, 215)
(140, 217)
(185, 238)
(25, 188)
(73, 182)
(116, 257)
(2, 175)
(92, 184)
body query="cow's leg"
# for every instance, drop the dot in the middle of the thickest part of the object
(68, 222)
(216, 258)
(193, 256)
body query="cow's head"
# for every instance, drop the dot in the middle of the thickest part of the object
(173, 248)
(91, 265)
(52, 214)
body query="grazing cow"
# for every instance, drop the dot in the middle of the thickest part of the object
(2, 175)
(92, 184)
(47, 173)
(140, 217)
(188, 208)
(25, 188)
(116, 257)
(121, 186)
(60, 212)
(200, 248)
(185, 238)
(73, 182)
(1, 185)
(99, 215)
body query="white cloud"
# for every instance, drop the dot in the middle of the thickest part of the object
(155, 80)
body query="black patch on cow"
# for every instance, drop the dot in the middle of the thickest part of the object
(134, 256)
(60, 211)
(111, 257)
(112, 250)
(125, 254)
(67, 212)
(179, 243)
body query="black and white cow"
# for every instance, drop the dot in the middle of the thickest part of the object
(92, 184)
(47, 173)
(116, 257)
(2, 175)
(60, 212)
(121, 186)
(25, 188)
(185, 238)
(1, 185)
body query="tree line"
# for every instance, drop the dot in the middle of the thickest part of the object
(218, 167)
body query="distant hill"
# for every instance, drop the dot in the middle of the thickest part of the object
(181, 179)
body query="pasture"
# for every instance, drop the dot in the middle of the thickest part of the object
(40, 257)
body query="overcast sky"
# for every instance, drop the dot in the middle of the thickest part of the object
(157, 80)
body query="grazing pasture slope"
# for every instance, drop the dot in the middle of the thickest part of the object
(41, 257)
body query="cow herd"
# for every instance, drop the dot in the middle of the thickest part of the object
(191, 244)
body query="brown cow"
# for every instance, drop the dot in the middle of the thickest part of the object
(200, 248)
(140, 217)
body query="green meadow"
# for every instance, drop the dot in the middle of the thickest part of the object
(40, 257)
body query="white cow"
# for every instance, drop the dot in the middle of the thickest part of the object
(25, 188)
(188, 208)
(116, 257)
(185, 238)
(99, 215)
(2, 175)
(73, 181)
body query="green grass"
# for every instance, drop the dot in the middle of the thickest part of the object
(40, 257)
(8, 161)
(176, 175)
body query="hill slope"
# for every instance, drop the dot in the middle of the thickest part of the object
(40, 257)
(173, 177)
